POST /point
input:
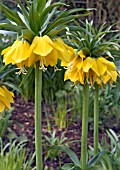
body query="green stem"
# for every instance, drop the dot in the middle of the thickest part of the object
(84, 126)
(38, 117)
(96, 118)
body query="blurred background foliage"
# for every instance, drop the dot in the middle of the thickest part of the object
(56, 92)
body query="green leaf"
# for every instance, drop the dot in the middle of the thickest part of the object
(2, 75)
(10, 27)
(11, 85)
(11, 15)
(24, 11)
(71, 154)
(56, 31)
(34, 19)
(47, 10)
(62, 21)
(69, 12)
(41, 5)
(70, 166)
(96, 158)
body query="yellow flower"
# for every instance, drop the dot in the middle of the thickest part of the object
(93, 70)
(42, 49)
(16, 53)
(6, 98)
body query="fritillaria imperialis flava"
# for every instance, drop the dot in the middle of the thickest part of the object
(37, 25)
(6, 98)
(91, 64)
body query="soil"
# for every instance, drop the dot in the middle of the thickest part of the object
(22, 123)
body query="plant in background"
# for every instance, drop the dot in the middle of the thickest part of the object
(91, 64)
(53, 140)
(15, 156)
(36, 46)
(60, 110)
(112, 152)
(5, 121)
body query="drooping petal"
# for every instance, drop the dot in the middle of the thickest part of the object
(20, 52)
(6, 50)
(102, 68)
(6, 98)
(81, 54)
(2, 106)
(110, 65)
(113, 75)
(51, 58)
(40, 46)
(87, 64)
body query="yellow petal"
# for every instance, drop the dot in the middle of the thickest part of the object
(6, 50)
(87, 64)
(113, 75)
(51, 58)
(105, 78)
(21, 51)
(66, 76)
(81, 54)
(101, 67)
(1, 92)
(40, 46)
(81, 76)
(66, 54)
(78, 63)
(53, 43)
(110, 65)
(2, 107)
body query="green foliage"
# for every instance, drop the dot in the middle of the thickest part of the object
(53, 140)
(4, 122)
(36, 18)
(75, 165)
(14, 156)
(110, 160)
(93, 41)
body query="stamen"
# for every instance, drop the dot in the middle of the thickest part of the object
(56, 69)
(42, 66)
(22, 70)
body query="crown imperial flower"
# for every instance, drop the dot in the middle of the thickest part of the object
(6, 98)
(93, 70)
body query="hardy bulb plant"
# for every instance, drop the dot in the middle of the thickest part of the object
(37, 24)
(6, 98)
(91, 64)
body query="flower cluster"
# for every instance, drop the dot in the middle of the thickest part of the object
(6, 98)
(42, 49)
(93, 70)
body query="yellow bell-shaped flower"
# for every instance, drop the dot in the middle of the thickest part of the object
(93, 70)
(6, 98)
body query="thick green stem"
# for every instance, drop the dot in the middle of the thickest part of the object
(96, 118)
(84, 126)
(38, 117)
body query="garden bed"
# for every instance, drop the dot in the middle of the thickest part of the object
(22, 123)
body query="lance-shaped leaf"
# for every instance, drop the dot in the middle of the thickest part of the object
(34, 19)
(41, 5)
(47, 10)
(10, 27)
(71, 154)
(24, 11)
(11, 15)
(62, 21)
